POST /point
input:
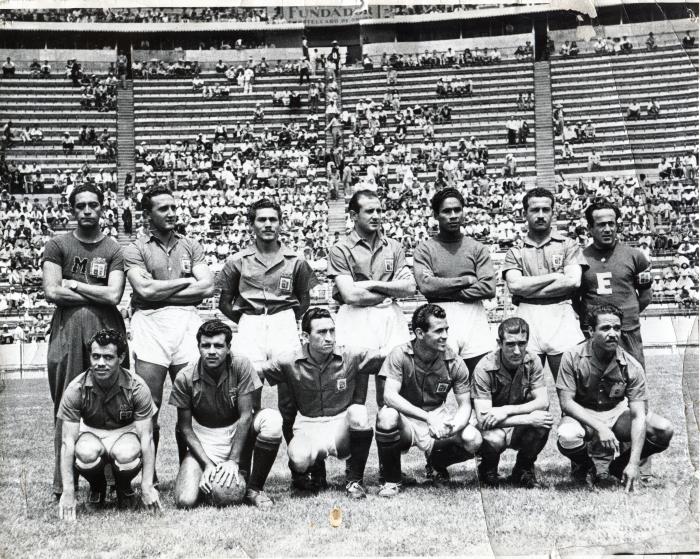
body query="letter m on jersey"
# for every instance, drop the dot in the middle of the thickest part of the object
(79, 265)
(604, 283)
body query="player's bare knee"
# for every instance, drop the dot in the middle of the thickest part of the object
(357, 417)
(268, 424)
(662, 431)
(126, 450)
(89, 449)
(387, 419)
(300, 453)
(496, 439)
(186, 499)
(471, 439)
(570, 435)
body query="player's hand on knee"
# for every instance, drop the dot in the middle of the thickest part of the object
(151, 499)
(630, 475)
(226, 473)
(66, 508)
(207, 478)
(541, 418)
(608, 440)
(493, 417)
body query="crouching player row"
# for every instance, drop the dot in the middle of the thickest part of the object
(602, 392)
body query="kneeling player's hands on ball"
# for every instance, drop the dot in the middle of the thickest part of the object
(493, 417)
(630, 475)
(226, 473)
(608, 440)
(66, 508)
(541, 418)
(207, 478)
(151, 499)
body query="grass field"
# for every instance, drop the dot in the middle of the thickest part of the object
(661, 517)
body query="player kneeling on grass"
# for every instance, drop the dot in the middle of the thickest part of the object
(106, 413)
(602, 392)
(215, 398)
(511, 403)
(324, 382)
(419, 375)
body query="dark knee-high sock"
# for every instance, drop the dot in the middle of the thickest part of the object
(579, 456)
(244, 464)
(264, 455)
(124, 473)
(389, 451)
(650, 447)
(94, 474)
(445, 453)
(532, 441)
(360, 441)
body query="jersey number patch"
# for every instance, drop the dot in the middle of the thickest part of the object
(604, 283)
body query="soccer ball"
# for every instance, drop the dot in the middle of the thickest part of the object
(222, 496)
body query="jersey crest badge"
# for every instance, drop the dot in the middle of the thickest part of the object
(79, 265)
(125, 413)
(442, 387)
(186, 265)
(285, 284)
(557, 260)
(98, 268)
(341, 384)
(388, 264)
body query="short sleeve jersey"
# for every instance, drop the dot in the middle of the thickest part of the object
(322, 390)
(89, 263)
(552, 255)
(355, 258)
(163, 263)
(266, 288)
(598, 386)
(214, 402)
(426, 385)
(128, 400)
(492, 381)
(615, 277)
(465, 257)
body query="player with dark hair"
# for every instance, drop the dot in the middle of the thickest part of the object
(106, 416)
(370, 272)
(265, 288)
(216, 405)
(616, 273)
(511, 404)
(323, 379)
(169, 277)
(418, 377)
(542, 276)
(456, 272)
(83, 275)
(602, 393)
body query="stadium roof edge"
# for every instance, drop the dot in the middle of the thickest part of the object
(149, 27)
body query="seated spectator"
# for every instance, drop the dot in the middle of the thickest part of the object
(367, 62)
(565, 49)
(634, 110)
(258, 114)
(594, 161)
(626, 45)
(197, 83)
(567, 151)
(573, 49)
(651, 42)
(653, 108)
(67, 142)
(599, 47)
(8, 67)
(35, 68)
(688, 40)
(589, 130)
(137, 69)
(36, 134)
(220, 67)
(45, 70)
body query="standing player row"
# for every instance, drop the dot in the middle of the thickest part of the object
(265, 289)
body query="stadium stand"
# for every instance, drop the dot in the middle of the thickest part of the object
(406, 124)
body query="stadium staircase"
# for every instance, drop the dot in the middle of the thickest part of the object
(544, 154)
(125, 142)
(336, 208)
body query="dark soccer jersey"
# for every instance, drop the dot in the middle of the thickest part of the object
(84, 262)
(614, 277)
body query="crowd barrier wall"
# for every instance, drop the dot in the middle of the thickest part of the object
(666, 32)
(661, 331)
